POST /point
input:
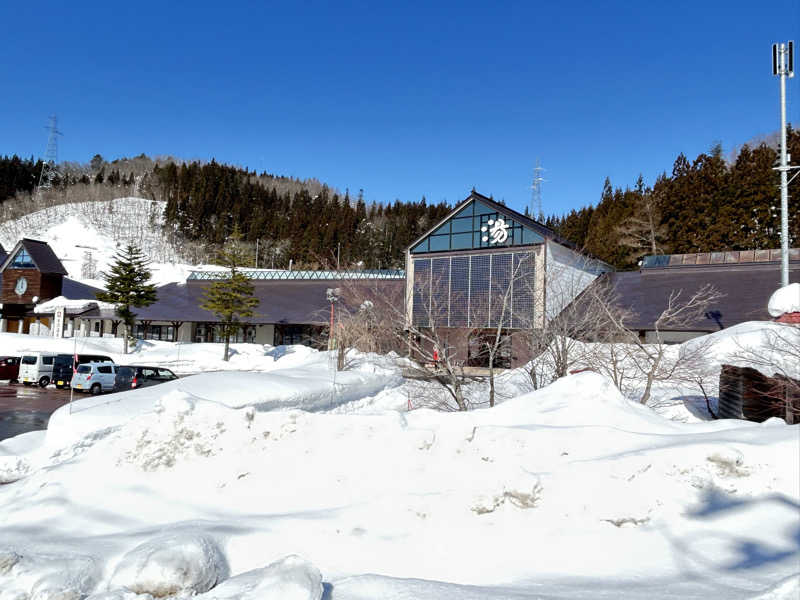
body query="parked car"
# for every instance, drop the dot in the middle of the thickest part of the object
(95, 377)
(130, 377)
(65, 363)
(9, 368)
(37, 367)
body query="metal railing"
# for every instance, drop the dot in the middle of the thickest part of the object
(280, 274)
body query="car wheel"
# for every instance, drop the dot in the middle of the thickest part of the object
(96, 389)
(44, 381)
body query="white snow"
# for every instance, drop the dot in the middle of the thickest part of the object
(171, 564)
(277, 481)
(70, 305)
(785, 300)
(98, 230)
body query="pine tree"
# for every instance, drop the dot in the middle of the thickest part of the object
(231, 299)
(127, 286)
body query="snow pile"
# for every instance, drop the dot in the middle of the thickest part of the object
(171, 564)
(210, 496)
(291, 578)
(785, 300)
(215, 485)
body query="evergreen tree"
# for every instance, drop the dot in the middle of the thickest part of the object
(127, 286)
(231, 299)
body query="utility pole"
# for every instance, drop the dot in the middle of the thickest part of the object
(783, 67)
(536, 195)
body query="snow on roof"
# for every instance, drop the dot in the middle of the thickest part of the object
(71, 306)
(785, 300)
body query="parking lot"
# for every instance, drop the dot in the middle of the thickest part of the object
(27, 408)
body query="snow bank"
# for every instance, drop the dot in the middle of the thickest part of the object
(308, 388)
(572, 491)
(291, 578)
(171, 564)
(785, 300)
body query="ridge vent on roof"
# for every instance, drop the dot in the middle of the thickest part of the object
(772, 255)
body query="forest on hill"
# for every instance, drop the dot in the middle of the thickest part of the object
(708, 204)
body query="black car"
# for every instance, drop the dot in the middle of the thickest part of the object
(64, 365)
(131, 377)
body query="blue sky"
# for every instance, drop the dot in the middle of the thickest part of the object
(401, 100)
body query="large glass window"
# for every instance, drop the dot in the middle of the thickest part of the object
(477, 290)
(478, 225)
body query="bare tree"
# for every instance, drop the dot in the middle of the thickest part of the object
(643, 232)
(578, 318)
(651, 359)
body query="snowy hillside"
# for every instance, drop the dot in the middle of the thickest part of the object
(86, 235)
(217, 487)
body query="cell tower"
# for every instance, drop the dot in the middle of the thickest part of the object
(50, 165)
(536, 196)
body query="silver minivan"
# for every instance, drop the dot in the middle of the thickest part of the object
(95, 377)
(37, 367)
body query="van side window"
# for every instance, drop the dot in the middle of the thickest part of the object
(47, 360)
(104, 369)
(28, 360)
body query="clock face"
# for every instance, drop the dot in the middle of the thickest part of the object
(22, 286)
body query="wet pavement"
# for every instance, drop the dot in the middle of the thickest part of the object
(27, 408)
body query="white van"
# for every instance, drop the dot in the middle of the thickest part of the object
(37, 367)
(96, 377)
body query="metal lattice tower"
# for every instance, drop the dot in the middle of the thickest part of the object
(536, 196)
(50, 164)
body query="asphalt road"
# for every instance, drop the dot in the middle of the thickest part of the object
(27, 408)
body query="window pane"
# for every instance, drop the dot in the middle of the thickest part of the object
(421, 291)
(459, 291)
(443, 230)
(531, 237)
(461, 241)
(421, 247)
(439, 242)
(462, 225)
(479, 292)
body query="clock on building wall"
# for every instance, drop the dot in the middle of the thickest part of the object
(21, 287)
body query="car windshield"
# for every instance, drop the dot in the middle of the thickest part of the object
(28, 360)
(84, 369)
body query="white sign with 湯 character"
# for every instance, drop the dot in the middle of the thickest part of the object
(58, 322)
(497, 230)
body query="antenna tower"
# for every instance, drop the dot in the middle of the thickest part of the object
(536, 196)
(50, 164)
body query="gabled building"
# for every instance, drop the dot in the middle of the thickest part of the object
(31, 274)
(485, 264)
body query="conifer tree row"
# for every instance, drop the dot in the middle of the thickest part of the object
(705, 205)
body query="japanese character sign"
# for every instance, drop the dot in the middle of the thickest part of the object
(496, 229)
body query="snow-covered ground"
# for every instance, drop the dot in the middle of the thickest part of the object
(218, 486)
(98, 230)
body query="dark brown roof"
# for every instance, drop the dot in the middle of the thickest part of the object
(42, 255)
(75, 290)
(746, 288)
(280, 301)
